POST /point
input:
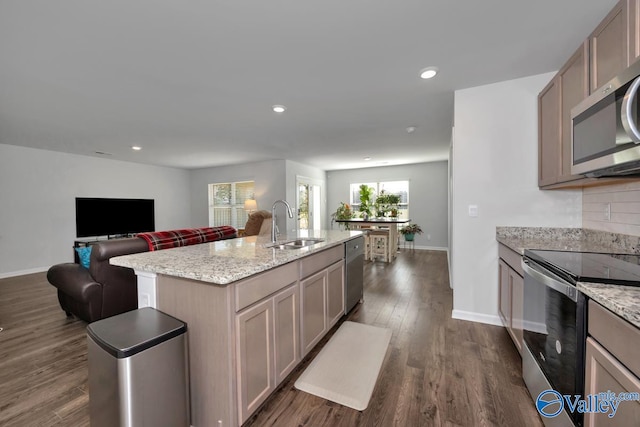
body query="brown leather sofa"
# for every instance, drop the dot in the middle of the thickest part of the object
(104, 290)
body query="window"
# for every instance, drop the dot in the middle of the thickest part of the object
(399, 188)
(226, 203)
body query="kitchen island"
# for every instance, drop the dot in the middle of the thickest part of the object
(253, 312)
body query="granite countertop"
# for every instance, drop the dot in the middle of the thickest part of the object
(226, 261)
(622, 300)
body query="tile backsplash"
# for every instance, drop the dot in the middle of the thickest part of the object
(613, 208)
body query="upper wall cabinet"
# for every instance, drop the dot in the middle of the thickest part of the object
(611, 48)
(567, 89)
(633, 26)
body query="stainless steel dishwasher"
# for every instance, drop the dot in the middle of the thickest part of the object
(353, 273)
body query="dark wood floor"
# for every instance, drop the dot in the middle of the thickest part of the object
(437, 372)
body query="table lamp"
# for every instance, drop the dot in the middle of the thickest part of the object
(250, 205)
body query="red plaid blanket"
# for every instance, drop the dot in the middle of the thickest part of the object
(188, 236)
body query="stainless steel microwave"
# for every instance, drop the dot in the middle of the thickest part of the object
(604, 134)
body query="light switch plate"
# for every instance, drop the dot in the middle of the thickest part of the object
(473, 210)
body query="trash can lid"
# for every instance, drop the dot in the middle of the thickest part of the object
(134, 331)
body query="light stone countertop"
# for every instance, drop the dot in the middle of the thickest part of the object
(227, 261)
(622, 300)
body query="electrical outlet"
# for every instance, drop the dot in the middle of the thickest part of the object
(144, 300)
(428, 236)
(607, 212)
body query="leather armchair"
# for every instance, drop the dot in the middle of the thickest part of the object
(102, 290)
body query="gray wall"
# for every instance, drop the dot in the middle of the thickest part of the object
(37, 201)
(274, 179)
(428, 184)
(269, 177)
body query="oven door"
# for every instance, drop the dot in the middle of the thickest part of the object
(554, 332)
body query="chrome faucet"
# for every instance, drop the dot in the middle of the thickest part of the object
(274, 234)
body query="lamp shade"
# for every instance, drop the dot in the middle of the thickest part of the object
(250, 205)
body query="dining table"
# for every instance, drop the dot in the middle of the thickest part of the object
(379, 223)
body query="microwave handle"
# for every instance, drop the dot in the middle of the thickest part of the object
(627, 113)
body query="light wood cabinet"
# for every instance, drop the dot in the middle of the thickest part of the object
(335, 293)
(286, 331)
(313, 297)
(267, 347)
(605, 373)
(255, 349)
(565, 91)
(633, 19)
(612, 365)
(321, 296)
(504, 293)
(573, 78)
(549, 134)
(511, 293)
(609, 46)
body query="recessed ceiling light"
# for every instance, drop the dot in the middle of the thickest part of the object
(411, 129)
(279, 108)
(136, 147)
(429, 72)
(367, 158)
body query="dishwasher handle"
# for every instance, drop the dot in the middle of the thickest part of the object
(549, 279)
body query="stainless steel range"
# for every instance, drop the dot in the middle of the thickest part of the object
(555, 319)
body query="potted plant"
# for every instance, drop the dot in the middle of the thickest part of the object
(386, 202)
(409, 231)
(366, 193)
(343, 212)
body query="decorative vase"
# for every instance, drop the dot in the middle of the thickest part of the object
(409, 237)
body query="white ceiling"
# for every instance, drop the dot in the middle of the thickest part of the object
(193, 82)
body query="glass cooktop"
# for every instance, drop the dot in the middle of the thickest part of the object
(619, 269)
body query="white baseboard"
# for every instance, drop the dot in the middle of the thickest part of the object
(425, 248)
(477, 317)
(23, 272)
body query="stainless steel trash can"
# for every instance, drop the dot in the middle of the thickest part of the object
(138, 370)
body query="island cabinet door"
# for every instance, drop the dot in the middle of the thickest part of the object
(286, 331)
(335, 293)
(314, 308)
(255, 364)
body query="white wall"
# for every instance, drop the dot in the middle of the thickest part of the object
(495, 166)
(270, 185)
(427, 193)
(37, 201)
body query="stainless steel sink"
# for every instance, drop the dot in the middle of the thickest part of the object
(304, 242)
(294, 244)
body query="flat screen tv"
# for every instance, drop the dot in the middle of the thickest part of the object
(113, 217)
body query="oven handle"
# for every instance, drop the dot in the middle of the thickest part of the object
(545, 277)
